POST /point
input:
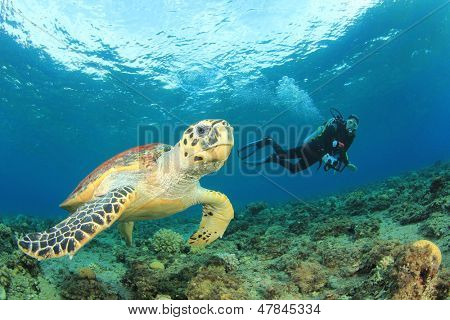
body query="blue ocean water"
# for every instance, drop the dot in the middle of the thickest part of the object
(82, 81)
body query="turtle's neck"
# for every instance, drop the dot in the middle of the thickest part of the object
(173, 174)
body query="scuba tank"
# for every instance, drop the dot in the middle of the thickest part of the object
(337, 116)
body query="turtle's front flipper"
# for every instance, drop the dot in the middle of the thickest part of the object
(216, 215)
(68, 236)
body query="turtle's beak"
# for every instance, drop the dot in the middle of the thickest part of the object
(221, 141)
(217, 145)
(220, 152)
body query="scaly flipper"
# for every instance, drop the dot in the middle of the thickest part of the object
(216, 215)
(68, 236)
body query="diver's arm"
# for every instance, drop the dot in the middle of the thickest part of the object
(344, 156)
(314, 135)
(344, 159)
(322, 133)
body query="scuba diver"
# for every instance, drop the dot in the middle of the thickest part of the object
(328, 145)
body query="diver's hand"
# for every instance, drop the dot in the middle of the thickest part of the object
(352, 167)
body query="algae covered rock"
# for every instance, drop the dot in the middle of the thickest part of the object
(309, 276)
(367, 228)
(228, 260)
(405, 272)
(140, 280)
(407, 213)
(332, 227)
(21, 263)
(146, 283)
(5, 276)
(376, 251)
(437, 185)
(416, 271)
(255, 207)
(437, 226)
(87, 273)
(356, 203)
(273, 243)
(214, 283)
(7, 244)
(343, 257)
(156, 265)
(82, 286)
(383, 202)
(2, 293)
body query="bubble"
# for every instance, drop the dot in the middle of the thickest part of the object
(290, 96)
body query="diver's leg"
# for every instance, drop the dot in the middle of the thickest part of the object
(305, 155)
(300, 165)
(292, 153)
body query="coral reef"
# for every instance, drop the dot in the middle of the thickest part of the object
(167, 243)
(364, 244)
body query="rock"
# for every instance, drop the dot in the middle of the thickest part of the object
(367, 228)
(87, 273)
(309, 276)
(437, 185)
(436, 226)
(214, 283)
(256, 207)
(228, 260)
(156, 265)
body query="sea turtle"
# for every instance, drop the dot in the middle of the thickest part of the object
(146, 182)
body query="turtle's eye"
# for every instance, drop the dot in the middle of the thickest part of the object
(201, 131)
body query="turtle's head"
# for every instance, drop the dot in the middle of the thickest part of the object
(206, 145)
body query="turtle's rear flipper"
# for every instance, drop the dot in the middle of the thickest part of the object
(68, 236)
(126, 231)
(216, 215)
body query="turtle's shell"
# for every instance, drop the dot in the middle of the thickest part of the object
(132, 159)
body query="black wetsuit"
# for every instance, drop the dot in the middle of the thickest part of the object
(313, 150)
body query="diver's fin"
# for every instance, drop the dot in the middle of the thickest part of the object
(320, 164)
(269, 159)
(126, 231)
(68, 236)
(255, 145)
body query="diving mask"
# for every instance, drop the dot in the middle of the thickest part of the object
(351, 125)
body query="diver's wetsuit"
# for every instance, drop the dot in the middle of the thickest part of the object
(315, 148)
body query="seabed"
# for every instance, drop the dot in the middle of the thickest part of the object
(358, 245)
